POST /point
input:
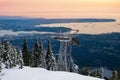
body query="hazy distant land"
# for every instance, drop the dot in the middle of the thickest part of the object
(88, 28)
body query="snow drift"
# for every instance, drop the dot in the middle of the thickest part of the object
(28, 73)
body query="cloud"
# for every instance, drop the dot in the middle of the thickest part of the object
(18, 33)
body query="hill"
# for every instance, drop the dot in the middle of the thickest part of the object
(28, 73)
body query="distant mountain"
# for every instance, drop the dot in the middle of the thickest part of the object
(12, 17)
(61, 20)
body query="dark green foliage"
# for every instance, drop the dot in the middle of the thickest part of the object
(98, 74)
(85, 71)
(38, 57)
(118, 74)
(50, 59)
(40, 52)
(94, 74)
(35, 55)
(41, 55)
(26, 54)
(48, 56)
(114, 75)
(0, 63)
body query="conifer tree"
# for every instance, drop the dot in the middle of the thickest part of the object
(50, 59)
(99, 74)
(20, 59)
(85, 71)
(26, 55)
(8, 55)
(0, 63)
(0, 67)
(94, 74)
(13, 55)
(114, 75)
(35, 55)
(118, 74)
(1, 52)
(73, 66)
(41, 55)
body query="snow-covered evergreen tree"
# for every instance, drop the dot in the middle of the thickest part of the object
(0, 63)
(20, 59)
(8, 55)
(13, 55)
(35, 55)
(26, 55)
(101, 73)
(50, 59)
(74, 68)
(41, 55)
(1, 52)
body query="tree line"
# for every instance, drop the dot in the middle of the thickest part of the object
(99, 73)
(38, 56)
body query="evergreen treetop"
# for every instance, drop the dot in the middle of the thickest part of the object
(26, 54)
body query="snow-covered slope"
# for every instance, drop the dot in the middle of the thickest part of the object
(28, 73)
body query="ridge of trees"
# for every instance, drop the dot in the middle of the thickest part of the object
(37, 57)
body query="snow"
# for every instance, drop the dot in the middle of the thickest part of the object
(28, 73)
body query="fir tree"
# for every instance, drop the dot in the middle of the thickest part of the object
(13, 56)
(35, 55)
(74, 68)
(20, 59)
(26, 55)
(94, 74)
(50, 59)
(99, 73)
(41, 55)
(85, 71)
(8, 55)
(1, 52)
(0, 66)
(118, 74)
(114, 75)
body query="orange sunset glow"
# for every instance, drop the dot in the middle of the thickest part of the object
(60, 8)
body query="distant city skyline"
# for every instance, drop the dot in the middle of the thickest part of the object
(60, 8)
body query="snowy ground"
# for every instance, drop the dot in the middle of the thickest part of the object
(28, 73)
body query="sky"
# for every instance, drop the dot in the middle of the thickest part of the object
(60, 8)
